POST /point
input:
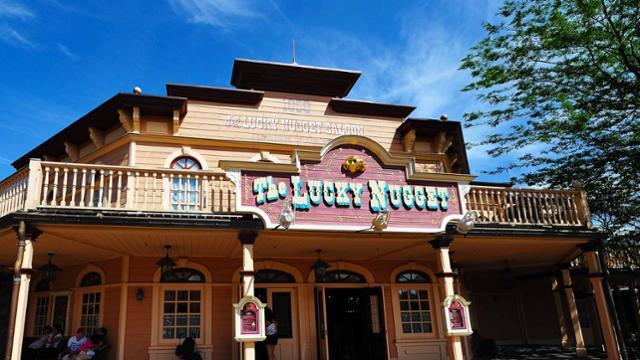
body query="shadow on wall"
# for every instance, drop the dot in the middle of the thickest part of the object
(5, 302)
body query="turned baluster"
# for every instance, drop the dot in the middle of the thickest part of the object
(118, 190)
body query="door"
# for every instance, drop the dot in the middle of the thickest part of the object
(282, 302)
(321, 324)
(59, 313)
(355, 324)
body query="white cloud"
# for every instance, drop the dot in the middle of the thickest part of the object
(68, 53)
(13, 9)
(11, 36)
(218, 13)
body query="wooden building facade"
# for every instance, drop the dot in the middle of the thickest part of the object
(209, 171)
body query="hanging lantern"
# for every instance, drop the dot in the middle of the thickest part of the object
(319, 268)
(49, 270)
(166, 264)
(508, 277)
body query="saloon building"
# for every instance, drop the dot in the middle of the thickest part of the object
(355, 223)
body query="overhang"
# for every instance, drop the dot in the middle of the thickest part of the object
(359, 107)
(215, 94)
(104, 117)
(292, 78)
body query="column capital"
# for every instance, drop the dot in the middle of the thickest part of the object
(247, 237)
(28, 231)
(590, 246)
(441, 242)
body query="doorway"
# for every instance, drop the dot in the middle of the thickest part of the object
(281, 301)
(354, 324)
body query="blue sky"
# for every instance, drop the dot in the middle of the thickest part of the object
(59, 59)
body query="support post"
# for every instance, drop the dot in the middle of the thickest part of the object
(605, 317)
(445, 278)
(27, 235)
(247, 239)
(556, 289)
(567, 284)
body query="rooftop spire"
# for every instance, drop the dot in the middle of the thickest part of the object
(293, 50)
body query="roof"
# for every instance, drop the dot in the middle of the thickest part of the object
(360, 107)
(216, 94)
(294, 78)
(103, 117)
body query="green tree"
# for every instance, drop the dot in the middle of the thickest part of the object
(566, 74)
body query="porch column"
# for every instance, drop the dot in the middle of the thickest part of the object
(26, 237)
(581, 350)
(247, 239)
(445, 276)
(556, 288)
(606, 322)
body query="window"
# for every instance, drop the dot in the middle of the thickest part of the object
(42, 309)
(90, 314)
(183, 275)
(184, 190)
(413, 276)
(181, 314)
(273, 276)
(343, 276)
(91, 279)
(415, 311)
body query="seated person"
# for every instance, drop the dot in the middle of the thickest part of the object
(75, 342)
(103, 344)
(51, 345)
(187, 351)
(32, 350)
(88, 350)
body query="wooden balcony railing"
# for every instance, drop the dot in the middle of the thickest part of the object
(90, 186)
(528, 207)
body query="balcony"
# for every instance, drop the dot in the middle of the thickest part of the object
(56, 185)
(528, 207)
(103, 187)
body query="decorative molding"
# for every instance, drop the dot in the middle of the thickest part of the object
(247, 237)
(125, 120)
(412, 266)
(441, 242)
(97, 136)
(89, 269)
(176, 122)
(186, 151)
(341, 265)
(72, 151)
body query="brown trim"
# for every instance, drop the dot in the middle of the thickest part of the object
(590, 246)
(359, 107)
(215, 94)
(492, 184)
(28, 271)
(595, 275)
(292, 78)
(243, 273)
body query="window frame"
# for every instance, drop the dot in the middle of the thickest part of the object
(434, 301)
(205, 310)
(97, 289)
(51, 295)
(184, 186)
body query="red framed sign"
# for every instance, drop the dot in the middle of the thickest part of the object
(249, 319)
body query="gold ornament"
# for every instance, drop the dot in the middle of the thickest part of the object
(354, 164)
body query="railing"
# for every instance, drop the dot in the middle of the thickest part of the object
(13, 192)
(528, 207)
(89, 186)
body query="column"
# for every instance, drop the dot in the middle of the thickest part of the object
(247, 239)
(28, 235)
(446, 276)
(556, 289)
(606, 322)
(573, 311)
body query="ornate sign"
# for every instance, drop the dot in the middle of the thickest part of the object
(345, 190)
(456, 314)
(249, 319)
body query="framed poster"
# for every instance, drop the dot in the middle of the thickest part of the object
(249, 319)
(456, 315)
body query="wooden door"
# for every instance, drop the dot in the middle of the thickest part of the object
(282, 301)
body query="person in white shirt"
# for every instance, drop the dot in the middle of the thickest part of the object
(272, 333)
(76, 341)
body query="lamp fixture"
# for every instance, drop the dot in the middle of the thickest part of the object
(319, 267)
(467, 223)
(166, 264)
(287, 215)
(381, 221)
(508, 276)
(49, 270)
(139, 294)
